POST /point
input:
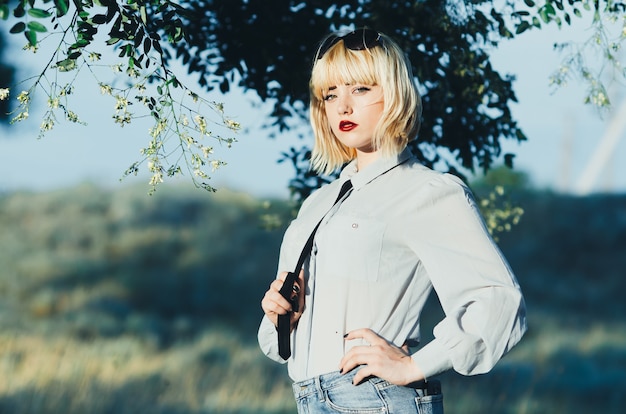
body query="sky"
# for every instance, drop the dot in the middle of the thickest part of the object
(563, 134)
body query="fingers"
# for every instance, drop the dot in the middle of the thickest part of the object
(360, 355)
(365, 356)
(380, 358)
(274, 303)
(366, 334)
(362, 374)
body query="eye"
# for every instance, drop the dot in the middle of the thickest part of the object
(329, 97)
(362, 89)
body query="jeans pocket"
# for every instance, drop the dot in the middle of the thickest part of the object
(347, 398)
(430, 404)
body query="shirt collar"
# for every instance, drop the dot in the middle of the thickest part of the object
(375, 169)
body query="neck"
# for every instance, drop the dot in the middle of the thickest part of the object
(363, 159)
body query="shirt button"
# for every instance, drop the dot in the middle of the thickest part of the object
(355, 225)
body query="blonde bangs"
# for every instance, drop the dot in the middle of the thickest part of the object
(341, 66)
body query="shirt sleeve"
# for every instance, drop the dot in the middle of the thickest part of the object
(268, 340)
(484, 308)
(290, 249)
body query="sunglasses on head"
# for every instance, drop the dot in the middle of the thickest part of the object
(359, 39)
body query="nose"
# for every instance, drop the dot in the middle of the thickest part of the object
(345, 105)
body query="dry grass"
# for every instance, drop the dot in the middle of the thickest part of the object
(118, 303)
(214, 373)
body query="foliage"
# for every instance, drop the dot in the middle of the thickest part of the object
(157, 251)
(466, 102)
(602, 48)
(136, 30)
(500, 214)
(6, 78)
(503, 176)
(494, 191)
(109, 299)
(268, 49)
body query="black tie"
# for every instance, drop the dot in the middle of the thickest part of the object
(284, 346)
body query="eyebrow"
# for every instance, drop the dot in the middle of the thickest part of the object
(332, 88)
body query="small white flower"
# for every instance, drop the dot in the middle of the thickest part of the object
(72, 117)
(233, 124)
(23, 97)
(20, 117)
(105, 89)
(47, 125)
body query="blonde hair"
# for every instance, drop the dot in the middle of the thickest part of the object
(384, 65)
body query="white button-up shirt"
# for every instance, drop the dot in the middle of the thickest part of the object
(402, 230)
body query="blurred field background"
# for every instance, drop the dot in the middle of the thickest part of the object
(115, 302)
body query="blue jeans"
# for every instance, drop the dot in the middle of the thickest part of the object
(334, 393)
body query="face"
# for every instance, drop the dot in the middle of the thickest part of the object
(353, 112)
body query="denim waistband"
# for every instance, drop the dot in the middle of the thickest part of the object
(332, 379)
(321, 383)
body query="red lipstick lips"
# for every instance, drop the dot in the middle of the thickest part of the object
(347, 126)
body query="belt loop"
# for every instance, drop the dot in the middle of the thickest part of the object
(318, 386)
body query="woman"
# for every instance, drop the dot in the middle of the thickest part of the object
(401, 230)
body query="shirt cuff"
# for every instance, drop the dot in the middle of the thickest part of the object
(431, 359)
(268, 340)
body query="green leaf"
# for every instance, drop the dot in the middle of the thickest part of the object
(99, 19)
(66, 65)
(39, 13)
(536, 23)
(178, 34)
(508, 160)
(547, 13)
(62, 7)
(529, 3)
(18, 28)
(147, 43)
(157, 46)
(113, 41)
(138, 38)
(31, 36)
(80, 43)
(142, 12)
(4, 12)
(19, 11)
(37, 27)
(522, 27)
